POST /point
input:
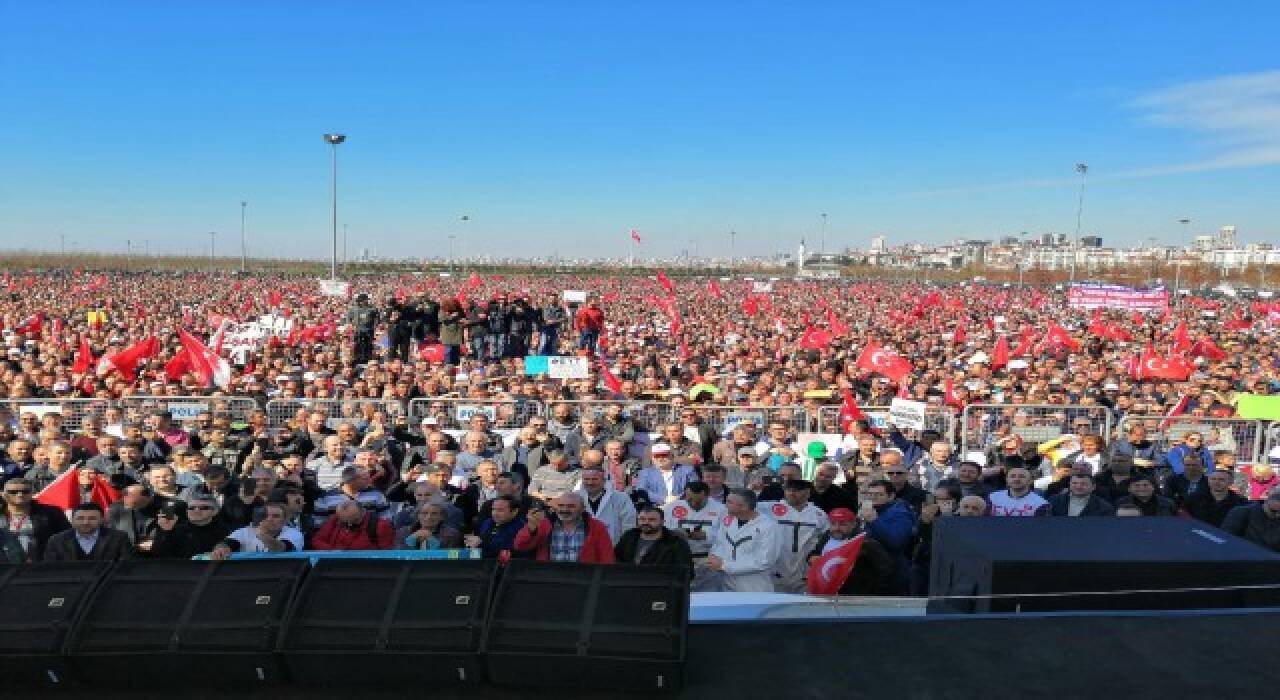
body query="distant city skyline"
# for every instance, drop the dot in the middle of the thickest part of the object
(559, 129)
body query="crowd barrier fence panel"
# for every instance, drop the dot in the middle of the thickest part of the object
(981, 425)
(1244, 438)
(185, 409)
(454, 413)
(73, 411)
(281, 412)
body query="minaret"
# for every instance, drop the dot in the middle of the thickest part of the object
(800, 256)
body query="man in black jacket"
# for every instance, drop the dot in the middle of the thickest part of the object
(203, 530)
(33, 523)
(1079, 499)
(651, 544)
(88, 540)
(1212, 503)
(1257, 522)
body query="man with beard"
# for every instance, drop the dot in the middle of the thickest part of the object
(800, 524)
(745, 550)
(698, 517)
(651, 544)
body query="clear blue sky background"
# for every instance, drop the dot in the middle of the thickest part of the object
(561, 125)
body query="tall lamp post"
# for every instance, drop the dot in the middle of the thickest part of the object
(212, 235)
(1083, 169)
(824, 232)
(732, 258)
(451, 237)
(463, 228)
(244, 254)
(333, 140)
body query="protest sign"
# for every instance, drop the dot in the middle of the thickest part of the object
(567, 367)
(905, 413)
(334, 288)
(575, 296)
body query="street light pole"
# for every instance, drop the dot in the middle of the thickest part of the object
(451, 237)
(464, 219)
(732, 258)
(1083, 169)
(212, 236)
(333, 140)
(824, 232)
(244, 251)
(345, 259)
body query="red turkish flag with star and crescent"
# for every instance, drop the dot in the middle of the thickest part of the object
(828, 572)
(881, 361)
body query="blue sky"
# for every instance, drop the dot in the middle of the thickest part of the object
(559, 126)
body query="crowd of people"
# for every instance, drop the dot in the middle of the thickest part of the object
(576, 472)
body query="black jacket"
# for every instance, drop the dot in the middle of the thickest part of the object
(1059, 504)
(186, 540)
(836, 496)
(1251, 523)
(1158, 505)
(46, 521)
(1202, 506)
(668, 550)
(111, 546)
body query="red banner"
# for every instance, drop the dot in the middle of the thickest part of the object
(1110, 296)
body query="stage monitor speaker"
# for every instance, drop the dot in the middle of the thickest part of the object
(186, 621)
(1082, 563)
(38, 607)
(596, 626)
(386, 621)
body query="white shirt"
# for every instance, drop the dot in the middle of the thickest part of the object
(87, 543)
(1002, 504)
(746, 548)
(680, 515)
(248, 538)
(798, 531)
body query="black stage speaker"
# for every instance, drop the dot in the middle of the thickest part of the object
(1157, 559)
(38, 607)
(603, 627)
(181, 621)
(389, 621)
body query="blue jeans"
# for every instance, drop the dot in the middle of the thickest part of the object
(549, 342)
(588, 340)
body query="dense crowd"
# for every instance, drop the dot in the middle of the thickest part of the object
(575, 471)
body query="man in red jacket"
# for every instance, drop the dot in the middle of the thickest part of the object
(569, 535)
(351, 528)
(589, 322)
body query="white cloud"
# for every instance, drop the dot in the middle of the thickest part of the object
(1238, 115)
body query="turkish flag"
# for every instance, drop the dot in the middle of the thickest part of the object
(433, 353)
(611, 381)
(815, 338)
(64, 492)
(949, 394)
(849, 411)
(473, 281)
(1177, 410)
(1181, 339)
(714, 287)
(749, 305)
(877, 359)
(959, 336)
(1207, 349)
(1152, 366)
(1056, 335)
(126, 361)
(207, 365)
(32, 324)
(836, 325)
(665, 282)
(84, 358)
(635, 235)
(1000, 355)
(829, 571)
(1025, 343)
(178, 366)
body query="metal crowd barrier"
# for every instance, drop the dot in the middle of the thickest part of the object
(1244, 438)
(454, 413)
(281, 412)
(73, 411)
(982, 425)
(1272, 440)
(187, 408)
(939, 418)
(648, 416)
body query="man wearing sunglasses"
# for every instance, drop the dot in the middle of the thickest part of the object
(32, 523)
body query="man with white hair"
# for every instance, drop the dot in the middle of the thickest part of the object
(613, 508)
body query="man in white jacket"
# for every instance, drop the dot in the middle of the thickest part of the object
(745, 549)
(613, 508)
